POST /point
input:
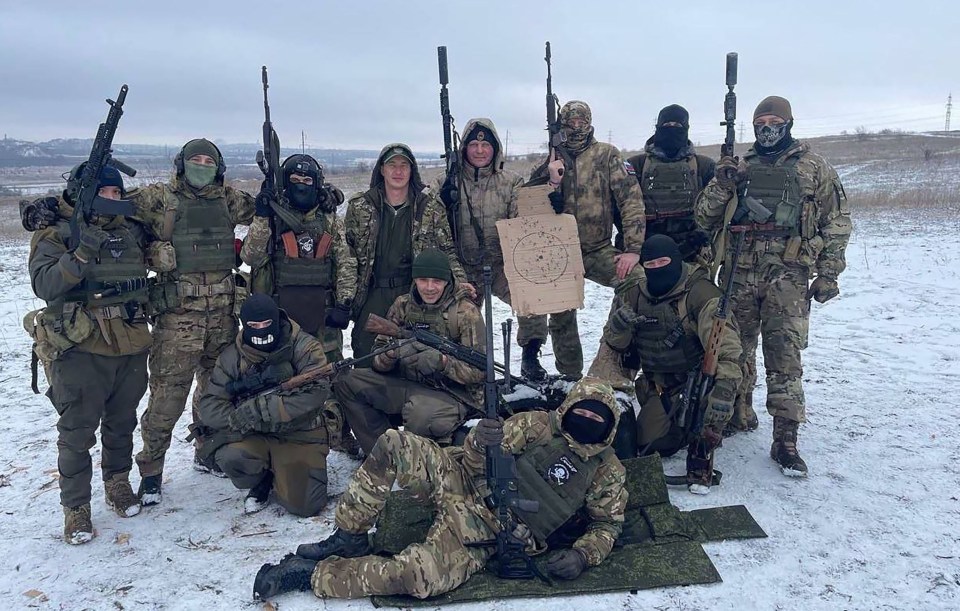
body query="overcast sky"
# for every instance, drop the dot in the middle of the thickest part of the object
(364, 73)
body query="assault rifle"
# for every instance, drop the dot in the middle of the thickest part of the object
(268, 159)
(451, 146)
(557, 137)
(727, 150)
(88, 197)
(474, 358)
(501, 469)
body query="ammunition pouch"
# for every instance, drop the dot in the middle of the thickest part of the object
(334, 421)
(54, 333)
(163, 297)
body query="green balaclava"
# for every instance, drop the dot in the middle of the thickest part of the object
(577, 139)
(198, 175)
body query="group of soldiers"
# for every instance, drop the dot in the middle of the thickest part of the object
(652, 227)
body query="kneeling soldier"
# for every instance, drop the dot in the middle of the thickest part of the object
(660, 322)
(269, 440)
(427, 392)
(563, 460)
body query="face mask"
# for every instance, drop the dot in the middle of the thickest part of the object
(587, 430)
(198, 175)
(302, 197)
(577, 139)
(661, 280)
(670, 139)
(265, 340)
(260, 307)
(769, 136)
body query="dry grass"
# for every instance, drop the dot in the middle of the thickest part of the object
(922, 198)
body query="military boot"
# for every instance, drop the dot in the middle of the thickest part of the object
(700, 474)
(292, 574)
(120, 496)
(208, 465)
(784, 448)
(259, 496)
(744, 420)
(530, 367)
(340, 543)
(77, 526)
(150, 492)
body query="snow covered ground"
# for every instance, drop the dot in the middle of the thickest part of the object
(876, 526)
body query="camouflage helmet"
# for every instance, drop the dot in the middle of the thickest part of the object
(109, 177)
(575, 109)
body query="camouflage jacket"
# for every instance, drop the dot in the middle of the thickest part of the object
(256, 247)
(152, 202)
(487, 195)
(695, 298)
(827, 214)
(597, 182)
(362, 226)
(282, 412)
(464, 326)
(54, 271)
(606, 499)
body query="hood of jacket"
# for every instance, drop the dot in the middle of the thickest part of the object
(496, 165)
(652, 149)
(587, 388)
(376, 178)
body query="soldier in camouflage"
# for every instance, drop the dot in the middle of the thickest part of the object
(660, 322)
(805, 238)
(192, 219)
(386, 227)
(298, 254)
(429, 393)
(597, 184)
(671, 175)
(487, 194)
(564, 461)
(93, 338)
(275, 441)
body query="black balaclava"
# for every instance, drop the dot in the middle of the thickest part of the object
(585, 430)
(661, 280)
(258, 308)
(670, 139)
(302, 197)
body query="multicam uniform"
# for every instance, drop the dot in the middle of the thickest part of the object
(432, 407)
(384, 241)
(291, 439)
(462, 538)
(809, 235)
(194, 254)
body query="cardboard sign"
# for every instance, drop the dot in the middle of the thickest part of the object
(542, 263)
(534, 200)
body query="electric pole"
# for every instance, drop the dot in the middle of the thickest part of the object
(741, 131)
(946, 125)
(506, 145)
(610, 137)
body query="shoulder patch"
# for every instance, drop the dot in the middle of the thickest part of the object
(629, 168)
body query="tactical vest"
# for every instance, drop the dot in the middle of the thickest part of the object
(665, 335)
(202, 236)
(670, 188)
(778, 189)
(558, 478)
(308, 260)
(443, 321)
(122, 268)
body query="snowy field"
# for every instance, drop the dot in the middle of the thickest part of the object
(876, 526)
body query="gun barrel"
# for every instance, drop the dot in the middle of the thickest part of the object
(121, 97)
(122, 167)
(442, 62)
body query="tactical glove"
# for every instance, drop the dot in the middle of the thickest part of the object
(719, 405)
(92, 239)
(245, 418)
(619, 331)
(728, 173)
(823, 289)
(338, 317)
(429, 364)
(262, 205)
(489, 432)
(449, 193)
(39, 213)
(567, 564)
(556, 201)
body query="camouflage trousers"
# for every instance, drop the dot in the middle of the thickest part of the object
(299, 468)
(185, 345)
(90, 390)
(599, 267)
(439, 564)
(373, 402)
(528, 327)
(773, 305)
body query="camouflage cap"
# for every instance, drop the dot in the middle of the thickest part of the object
(201, 146)
(575, 109)
(397, 151)
(774, 105)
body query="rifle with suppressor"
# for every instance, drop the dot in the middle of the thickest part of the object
(501, 469)
(727, 150)
(268, 159)
(88, 201)
(474, 358)
(451, 146)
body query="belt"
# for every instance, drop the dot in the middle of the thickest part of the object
(392, 282)
(188, 289)
(99, 312)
